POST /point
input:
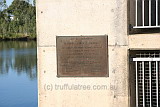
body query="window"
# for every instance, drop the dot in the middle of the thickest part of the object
(145, 14)
(146, 79)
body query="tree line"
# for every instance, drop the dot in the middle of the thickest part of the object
(18, 19)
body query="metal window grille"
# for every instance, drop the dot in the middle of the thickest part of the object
(147, 14)
(147, 79)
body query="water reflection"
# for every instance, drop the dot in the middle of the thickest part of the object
(19, 57)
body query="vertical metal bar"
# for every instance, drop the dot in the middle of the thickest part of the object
(143, 84)
(136, 85)
(136, 12)
(157, 82)
(156, 12)
(143, 12)
(149, 12)
(150, 80)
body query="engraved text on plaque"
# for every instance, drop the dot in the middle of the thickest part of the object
(82, 56)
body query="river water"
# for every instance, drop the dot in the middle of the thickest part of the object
(18, 74)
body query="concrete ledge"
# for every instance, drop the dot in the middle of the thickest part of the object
(144, 41)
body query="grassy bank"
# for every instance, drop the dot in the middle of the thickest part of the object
(18, 36)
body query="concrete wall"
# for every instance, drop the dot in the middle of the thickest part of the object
(83, 17)
(144, 41)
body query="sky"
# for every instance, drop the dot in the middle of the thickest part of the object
(9, 2)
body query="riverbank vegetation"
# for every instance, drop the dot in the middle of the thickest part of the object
(17, 21)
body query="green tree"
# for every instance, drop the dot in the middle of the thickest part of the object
(18, 19)
(2, 4)
(3, 18)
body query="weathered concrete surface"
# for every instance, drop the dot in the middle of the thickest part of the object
(144, 41)
(81, 17)
(75, 18)
(115, 95)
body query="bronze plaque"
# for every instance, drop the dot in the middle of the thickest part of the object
(82, 56)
